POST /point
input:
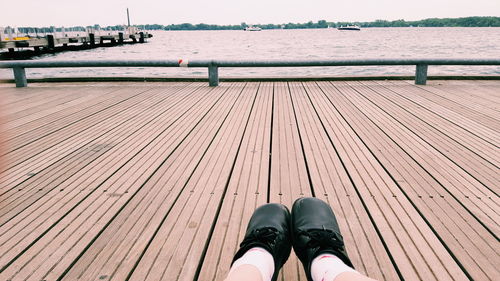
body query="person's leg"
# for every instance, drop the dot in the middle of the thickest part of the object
(254, 260)
(318, 243)
(245, 272)
(352, 276)
(328, 267)
(266, 245)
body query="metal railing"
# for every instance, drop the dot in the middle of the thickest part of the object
(214, 65)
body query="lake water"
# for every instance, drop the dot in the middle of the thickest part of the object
(292, 45)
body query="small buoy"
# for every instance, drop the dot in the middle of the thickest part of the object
(183, 63)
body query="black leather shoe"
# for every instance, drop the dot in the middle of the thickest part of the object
(315, 231)
(269, 228)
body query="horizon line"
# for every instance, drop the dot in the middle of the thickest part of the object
(243, 22)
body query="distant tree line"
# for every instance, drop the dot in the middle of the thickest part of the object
(436, 22)
(432, 22)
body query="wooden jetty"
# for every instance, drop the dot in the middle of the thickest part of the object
(147, 181)
(56, 42)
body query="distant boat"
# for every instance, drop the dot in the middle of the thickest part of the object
(349, 27)
(252, 28)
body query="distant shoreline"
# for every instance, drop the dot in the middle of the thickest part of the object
(430, 22)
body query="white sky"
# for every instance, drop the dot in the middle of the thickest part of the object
(110, 12)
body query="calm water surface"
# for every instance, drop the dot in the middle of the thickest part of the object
(291, 45)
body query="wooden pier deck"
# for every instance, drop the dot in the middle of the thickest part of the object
(19, 47)
(147, 181)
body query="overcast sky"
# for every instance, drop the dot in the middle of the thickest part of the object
(111, 12)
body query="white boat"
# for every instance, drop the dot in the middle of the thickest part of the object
(252, 28)
(349, 27)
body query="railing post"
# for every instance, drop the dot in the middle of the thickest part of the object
(92, 40)
(51, 43)
(421, 74)
(213, 75)
(20, 77)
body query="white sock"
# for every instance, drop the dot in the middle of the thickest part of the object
(261, 259)
(327, 267)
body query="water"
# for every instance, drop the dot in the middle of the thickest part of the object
(290, 45)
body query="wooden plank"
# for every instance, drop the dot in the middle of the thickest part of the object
(415, 249)
(34, 157)
(470, 153)
(469, 241)
(484, 96)
(58, 96)
(175, 251)
(12, 98)
(89, 97)
(466, 106)
(43, 126)
(332, 184)
(247, 189)
(475, 128)
(289, 180)
(471, 89)
(29, 132)
(104, 139)
(33, 181)
(475, 196)
(155, 192)
(129, 92)
(474, 107)
(453, 178)
(20, 96)
(71, 206)
(487, 82)
(117, 130)
(122, 243)
(97, 119)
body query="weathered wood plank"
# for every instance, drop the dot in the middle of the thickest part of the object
(124, 241)
(289, 180)
(478, 198)
(472, 107)
(36, 156)
(412, 244)
(247, 189)
(78, 207)
(332, 184)
(476, 157)
(446, 216)
(175, 251)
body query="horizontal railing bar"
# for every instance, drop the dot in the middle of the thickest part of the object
(91, 63)
(367, 62)
(243, 63)
(213, 65)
